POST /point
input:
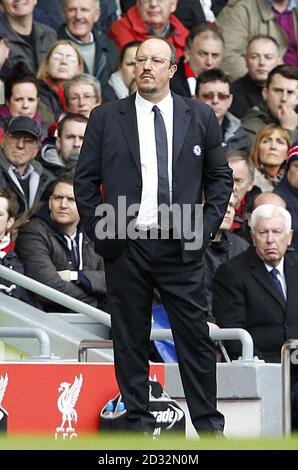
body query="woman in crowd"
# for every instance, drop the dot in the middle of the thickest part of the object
(62, 62)
(269, 153)
(22, 99)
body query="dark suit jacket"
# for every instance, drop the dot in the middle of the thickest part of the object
(110, 159)
(244, 296)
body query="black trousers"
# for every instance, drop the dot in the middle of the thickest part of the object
(131, 278)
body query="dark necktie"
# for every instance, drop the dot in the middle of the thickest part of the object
(163, 190)
(274, 272)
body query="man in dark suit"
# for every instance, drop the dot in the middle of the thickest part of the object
(132, 159)
(248, 294)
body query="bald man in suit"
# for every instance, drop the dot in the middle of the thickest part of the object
(125, 153)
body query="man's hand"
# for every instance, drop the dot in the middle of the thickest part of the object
(287, 117)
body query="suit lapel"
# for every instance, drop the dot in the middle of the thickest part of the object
(128, 123)
(181, 122)
(291, 280)
(261, 274)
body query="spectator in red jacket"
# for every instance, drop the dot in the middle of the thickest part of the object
(148, 18)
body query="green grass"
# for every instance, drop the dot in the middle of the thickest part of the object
(132, 442)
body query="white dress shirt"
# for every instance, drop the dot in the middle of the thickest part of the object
(147, 216)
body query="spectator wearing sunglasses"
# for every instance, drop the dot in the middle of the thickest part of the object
(213, 88)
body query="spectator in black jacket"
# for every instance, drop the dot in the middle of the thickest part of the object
(224, 246)
(55, 251)
(203, 51)
(28, 40)
(213, 88)
(262, 55)
(18, 171)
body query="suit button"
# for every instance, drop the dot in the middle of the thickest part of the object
(138, 188)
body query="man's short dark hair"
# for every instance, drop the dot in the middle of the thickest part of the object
(12, 203)
(70, 117)
(212, 75)
(19, 74)
(66, 178)
(285, 70)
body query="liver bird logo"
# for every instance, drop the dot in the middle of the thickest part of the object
(3, 385)
(67, 401)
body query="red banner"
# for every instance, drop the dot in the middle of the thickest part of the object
(58, 399)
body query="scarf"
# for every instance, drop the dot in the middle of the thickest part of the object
(6, 245)
(190, 77)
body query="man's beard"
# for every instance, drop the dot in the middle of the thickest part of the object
(147, 89)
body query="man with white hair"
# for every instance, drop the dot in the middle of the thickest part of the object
(257, 290)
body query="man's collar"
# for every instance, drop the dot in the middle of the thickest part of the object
(279, 267)
(91, 39)
(29, 169)
(148, 105)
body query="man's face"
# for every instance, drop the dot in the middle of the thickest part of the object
(205, 53)
(241, 178)
(262, 56)
(228, 219)
(271, 239)
(23, 100)
(153, 78)
(20, 148)
(156, 13)
(281, 92)
(71, 138)
(292, 174)
(217, 95)
(63, 206)
(18, 8)
(82, 99)
(127, 67)
(80, 16)
(5, 220)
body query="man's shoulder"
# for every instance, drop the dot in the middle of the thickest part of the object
(114, 106)
(41, 29)
(239, 264)
(193, 104)
(291, 256)
(4, 163)
(32, 227)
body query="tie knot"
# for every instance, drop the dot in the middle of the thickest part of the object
(156, 109)
(274, 271)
